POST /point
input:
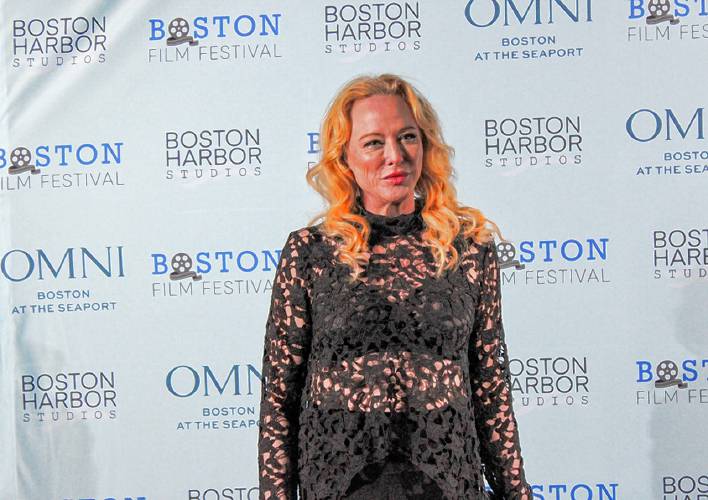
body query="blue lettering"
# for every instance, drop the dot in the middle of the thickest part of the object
(239, 261)
(114, 153)
(578, 252)
(208, 374)
(547, 244)
(171, 388)
(313, 142)
(671, 118)
(690, 374)
(200, 27)
(244, 25)
(92, 151)
(274, 27)
(203, 264)
(636, 9)
(42, 257)
(30, 265)
(575, 16)
(532, 11)
(630, 128)
(585, 487)
(63, 149)
(86, 253)
(159, 263)
(468, 14)
(521, 18)
(645, 374)
(605, 493)
(223, 255)
(157, 29)
(681, 9)
(270, 259)
(41, 153)
(219, 20)
(557, 488)
(259, 376)
(526, 248)
(594, 246)
(250, 23)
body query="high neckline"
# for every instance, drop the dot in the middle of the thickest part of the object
(393, 225)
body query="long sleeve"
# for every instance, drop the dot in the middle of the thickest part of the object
(285, 353)
(491, 382)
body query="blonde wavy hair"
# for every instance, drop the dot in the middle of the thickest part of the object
(443, 215)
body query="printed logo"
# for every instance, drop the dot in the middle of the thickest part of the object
(213, 155)
(365, 28)
(235, 38)
(214, 273)
(551, 262)
(61, 166)
(68, 397)
(58, 42)
(668, 382)
(499, 15)
(233, 396)
(685, 487)
(228, 493)
(560, 490)
(60, 269)
(659, 12)
(676, 137)
(680, 254)
(178, 30)
(313, 148)
(516, 145)
(550, 381)
(667, 20)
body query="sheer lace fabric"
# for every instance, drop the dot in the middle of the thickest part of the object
(401, 362)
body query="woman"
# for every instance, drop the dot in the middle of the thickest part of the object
(385, 372)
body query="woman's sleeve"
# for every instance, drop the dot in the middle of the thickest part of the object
(287, 344)
(491, 386)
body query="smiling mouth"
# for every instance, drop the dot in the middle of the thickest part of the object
(396, 176)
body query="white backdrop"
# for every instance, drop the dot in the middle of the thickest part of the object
(579, 127)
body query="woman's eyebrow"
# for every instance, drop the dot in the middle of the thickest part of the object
(410, 127)
(368, 134)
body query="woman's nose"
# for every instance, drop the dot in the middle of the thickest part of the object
(393, 152)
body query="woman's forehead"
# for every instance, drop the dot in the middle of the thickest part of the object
(381, 111)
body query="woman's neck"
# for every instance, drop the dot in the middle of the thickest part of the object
(388, 209)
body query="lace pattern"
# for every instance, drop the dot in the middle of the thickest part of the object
(401, 362)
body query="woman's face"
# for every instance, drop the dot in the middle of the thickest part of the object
(385, 140)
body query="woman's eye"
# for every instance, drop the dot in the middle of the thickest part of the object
(410, 137)
(373, 143)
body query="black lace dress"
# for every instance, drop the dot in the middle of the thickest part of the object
(399, 381)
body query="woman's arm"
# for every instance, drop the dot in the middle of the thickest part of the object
(491, 385)
(287, 344)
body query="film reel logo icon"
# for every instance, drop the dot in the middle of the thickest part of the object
(178, 29)
(21, 161)
(667, 375)
(659, 12)
(182, 268)
(507, 256)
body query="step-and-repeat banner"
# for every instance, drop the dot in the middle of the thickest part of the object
(152, 162)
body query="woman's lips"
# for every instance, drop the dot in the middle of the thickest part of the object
(396, 178)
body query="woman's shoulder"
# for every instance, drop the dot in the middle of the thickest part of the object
(305, 236)
(473, 244)
(304, 242)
